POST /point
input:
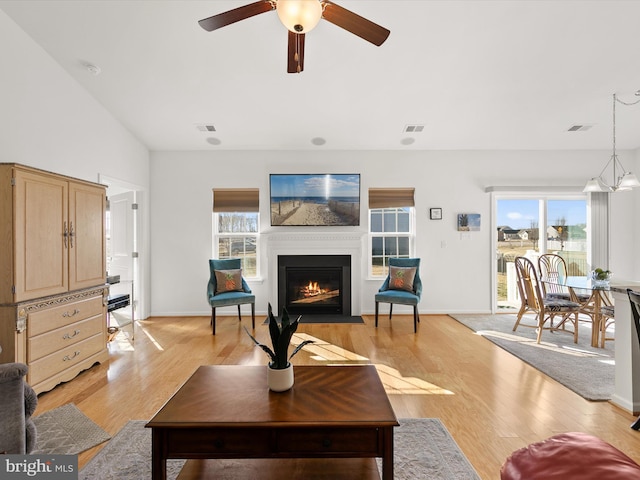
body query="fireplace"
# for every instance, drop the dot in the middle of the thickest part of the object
(314, 284)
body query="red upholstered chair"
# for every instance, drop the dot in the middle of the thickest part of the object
(569, 456)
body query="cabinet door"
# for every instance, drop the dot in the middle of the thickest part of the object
(41, 247)
(87, 260)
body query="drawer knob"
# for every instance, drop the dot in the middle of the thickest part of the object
(67, 357)
(218, 443)
(67, 336)
(326, 442)
(72, 314)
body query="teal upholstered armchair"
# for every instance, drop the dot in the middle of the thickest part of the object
(227, 287)
(403, 286)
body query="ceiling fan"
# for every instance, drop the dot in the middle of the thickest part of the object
(301, 16)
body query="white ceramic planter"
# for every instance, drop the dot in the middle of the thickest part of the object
(280, 380)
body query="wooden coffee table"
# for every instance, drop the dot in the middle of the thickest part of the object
(228, 412)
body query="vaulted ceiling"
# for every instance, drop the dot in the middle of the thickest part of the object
(510, 74)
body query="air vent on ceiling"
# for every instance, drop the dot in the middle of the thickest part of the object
(579, 128)
(413, 128)
(206, 128)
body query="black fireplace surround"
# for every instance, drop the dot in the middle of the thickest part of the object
(314, 284)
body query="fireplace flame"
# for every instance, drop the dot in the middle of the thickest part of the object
(312, 289)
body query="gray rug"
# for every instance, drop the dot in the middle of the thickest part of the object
(588, 371)
(423, 450)
(67, 431)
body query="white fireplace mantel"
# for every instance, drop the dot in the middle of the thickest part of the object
(338, 243)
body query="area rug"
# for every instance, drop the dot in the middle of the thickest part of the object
(423, 448)
(588, 371)
(316, 318)
(67, 431)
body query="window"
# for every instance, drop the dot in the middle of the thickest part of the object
(391, 227)
(237, 227)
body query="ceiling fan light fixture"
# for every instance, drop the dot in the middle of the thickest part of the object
(299, 16)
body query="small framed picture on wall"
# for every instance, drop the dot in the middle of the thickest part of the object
(435, 213)
(468, 222)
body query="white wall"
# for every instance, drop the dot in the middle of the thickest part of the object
(48, 121)
(456, 269)
(632, 223)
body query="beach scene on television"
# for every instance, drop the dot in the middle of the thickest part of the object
(315, 200)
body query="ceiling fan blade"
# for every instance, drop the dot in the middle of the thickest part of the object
(235, 15)
(295, 57)
(354, 23)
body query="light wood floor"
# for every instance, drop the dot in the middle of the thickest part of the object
(491, 402)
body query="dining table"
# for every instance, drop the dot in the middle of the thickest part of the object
(626, 394)
(593, 306)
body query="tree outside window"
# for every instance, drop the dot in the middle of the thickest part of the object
(236, 236)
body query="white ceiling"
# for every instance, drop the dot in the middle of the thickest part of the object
(477, 74)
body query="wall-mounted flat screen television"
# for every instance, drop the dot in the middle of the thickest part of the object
(315, 199)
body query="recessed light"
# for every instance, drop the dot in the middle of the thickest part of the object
(318, 141)
(214, 141)
(407, 141)
(93, 69)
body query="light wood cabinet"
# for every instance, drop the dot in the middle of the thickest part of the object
(52, 231)
(56, 226)
(56, 336)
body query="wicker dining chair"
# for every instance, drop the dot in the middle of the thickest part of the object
(546, 309)
(552, 266)
(608, 313)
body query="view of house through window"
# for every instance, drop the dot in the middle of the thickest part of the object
(535, 225)
(236, 236)
(391, 233)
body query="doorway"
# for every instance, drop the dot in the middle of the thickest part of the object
(123, 251)
(534, 224)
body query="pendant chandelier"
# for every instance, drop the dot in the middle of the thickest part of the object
(622, 180)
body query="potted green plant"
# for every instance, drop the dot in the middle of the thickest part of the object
(280, 370)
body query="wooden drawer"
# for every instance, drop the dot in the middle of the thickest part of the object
(331, 441)
(61, 315)
(219, 441)
(47, 343)
(56, 362)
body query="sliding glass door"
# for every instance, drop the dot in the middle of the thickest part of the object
(534, 224)
(567, 233)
